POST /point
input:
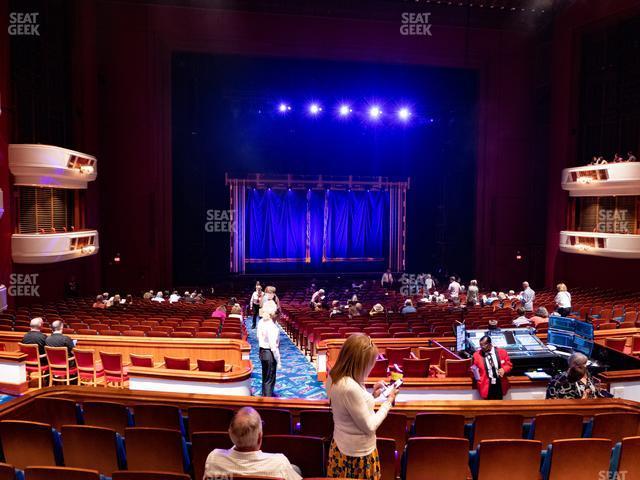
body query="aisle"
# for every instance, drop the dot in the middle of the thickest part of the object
(297, 378)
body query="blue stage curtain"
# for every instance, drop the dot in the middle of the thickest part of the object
(353, 226)
(277, 226)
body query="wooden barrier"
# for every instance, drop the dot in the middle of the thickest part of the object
(13, 373)
(234, 352)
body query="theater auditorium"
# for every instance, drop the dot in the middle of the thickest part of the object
(349, 239)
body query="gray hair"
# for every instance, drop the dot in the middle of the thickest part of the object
(577, 357)
(542, 312)
(246, 428)
(36, 323)
(57, 325)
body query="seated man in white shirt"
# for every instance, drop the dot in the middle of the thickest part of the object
(521, 321)
(245, 457)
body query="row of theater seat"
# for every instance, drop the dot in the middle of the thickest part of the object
(440, 458)
(206, 427)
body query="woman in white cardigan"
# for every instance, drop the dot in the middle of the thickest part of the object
(353, 452)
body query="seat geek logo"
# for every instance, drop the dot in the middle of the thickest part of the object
(415, 24)
(24, 24)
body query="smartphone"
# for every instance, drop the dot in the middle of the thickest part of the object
(396, 385)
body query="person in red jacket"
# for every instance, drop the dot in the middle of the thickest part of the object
(493, 365)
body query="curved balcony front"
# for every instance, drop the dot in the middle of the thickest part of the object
(38, 248)
(613, 245)
(602, 180)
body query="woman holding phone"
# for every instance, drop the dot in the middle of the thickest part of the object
(353, 452)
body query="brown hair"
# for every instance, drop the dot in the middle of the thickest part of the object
(356, 357)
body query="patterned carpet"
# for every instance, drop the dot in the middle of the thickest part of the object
(297, 378)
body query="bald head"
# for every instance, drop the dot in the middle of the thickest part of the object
(578, 359)
(246, 429)
(525, 285)
(36, 323)
(57, 326)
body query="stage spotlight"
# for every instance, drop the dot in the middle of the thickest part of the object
(404, 113)
(375, 112)
(284, 108)
(314, 109)
(344, 110)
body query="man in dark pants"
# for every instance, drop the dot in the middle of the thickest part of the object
(493, 365)
(256, 303)
(268, 341)
(35, 336)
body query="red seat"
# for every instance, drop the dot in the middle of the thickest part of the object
(211, 365)
(151, 475)
(154, 449)
(416, 367)
(521, 458)
(209, 419)
(457, 368)
(35, 362)
(24, 441)
(308, 453)
(318, 423)
(594, 458)
(380, 368)
(616, 343)
(60, 473)
(396, 356)
(439, 425)
(177, 363)
(90, 372)
(59, 365)
(141, 360)
(436, 458)
(115, 371)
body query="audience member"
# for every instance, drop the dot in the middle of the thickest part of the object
(269, 343)
(541, 317)
(576, 382)
(492, 366)
(236, 311)
(563, 300)
(521, 321)
(99, 303)
(429, 283)
(174, 297)
(336, 309)
(148, 295)
(631, 157)
(527, 297)
(353, 451)
(355, 310)
(512, 295)
(256, 303)
(35, 336)
(493, 296)
(454, 289)
(220, 312)
(377, 309)
(158, 298)
(317, 298)
(58, 339)
(387, 281)
(408, 307)
(473, 293)
(246, 457)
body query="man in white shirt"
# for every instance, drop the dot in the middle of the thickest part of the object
(521, 321)
(429, 284)
(268, 341)
(387, 280)
(527, 297)
(158, 298)
(317, 298)
(245, 457)
(174, 297)
(454, 289)
(256, 303)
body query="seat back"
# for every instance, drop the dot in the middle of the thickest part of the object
(594, 456)
(394, 426)
(216, 366)
(209, 419)
(158, 416)
(496, 426)
(317, 423)
(90, 447)
(149, 475)
(397, 355)
(615, 426)
(84, 359)
(7, 472)
(23, 441)
(629, 455)
(32, 352)
(616, 343)
(112, 363)
(141, 360)
(202, 444)
(548, 427)
(457, 368)
(380, 368)
(439, 425)
(55, 412)
(308, 453)
(416, 367)
(106, 415)
(58, 357)
(387, 453)
(154, 449)
(175, 363)
(436, 458)
(276, 421)
(60, 473)
(521, 458)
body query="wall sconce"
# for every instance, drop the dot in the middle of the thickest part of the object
(87, 249)
(87, 169)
